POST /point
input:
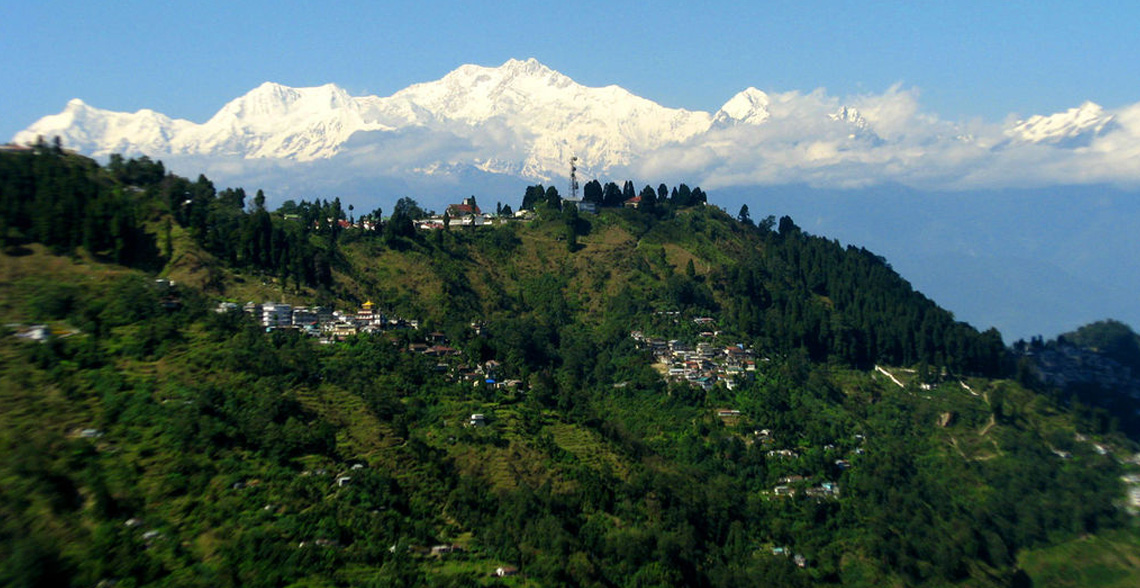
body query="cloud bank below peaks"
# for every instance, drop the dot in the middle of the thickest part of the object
(825, 142)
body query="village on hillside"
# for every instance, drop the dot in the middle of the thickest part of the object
(703, 364)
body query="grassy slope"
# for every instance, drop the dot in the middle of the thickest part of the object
(616, 254)
(1110, 560)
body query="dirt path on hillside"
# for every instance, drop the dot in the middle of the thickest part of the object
(880, 369)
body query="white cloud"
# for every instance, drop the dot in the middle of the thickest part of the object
(900, 143)
(893, 113)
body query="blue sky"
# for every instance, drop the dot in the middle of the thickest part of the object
(967, 59)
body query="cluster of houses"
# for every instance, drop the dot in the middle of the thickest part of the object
(703, 364)
(320, 321)
(791, 485)
(467, 214)
(479, 374)
(706, 363)
(799, 559)
(333, 325)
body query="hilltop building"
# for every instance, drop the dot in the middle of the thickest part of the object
(467, 208)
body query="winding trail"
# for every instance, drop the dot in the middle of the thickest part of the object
(989, 425)
(879, 368)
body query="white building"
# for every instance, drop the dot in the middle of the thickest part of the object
(276, 314)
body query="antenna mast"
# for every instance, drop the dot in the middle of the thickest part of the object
(573, 177)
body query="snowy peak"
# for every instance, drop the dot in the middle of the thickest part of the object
(512, 73)
(274, 101)
(851, 116)
(856, 125)
(77, 111)
(747, 107)
(1075, 125)
(542, 117)
(474, 93)
(277, 121)
(101, 132)
(530, 68)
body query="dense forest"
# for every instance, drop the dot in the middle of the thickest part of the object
(150, 439)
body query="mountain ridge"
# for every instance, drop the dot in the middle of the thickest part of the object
(280, 122)
(525, 119)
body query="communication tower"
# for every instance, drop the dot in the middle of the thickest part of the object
(573, 177)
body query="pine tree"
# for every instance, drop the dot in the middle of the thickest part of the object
(743, 216)
(553, 199)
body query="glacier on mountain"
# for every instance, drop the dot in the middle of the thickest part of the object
(1074, 127)
(747, 107)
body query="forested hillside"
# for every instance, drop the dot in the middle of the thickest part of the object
(522, 418)
(1095, 370)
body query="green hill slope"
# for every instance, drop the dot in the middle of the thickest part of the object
(666, 396)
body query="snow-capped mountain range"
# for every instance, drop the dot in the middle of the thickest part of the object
(523, 119)
(548, 116)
